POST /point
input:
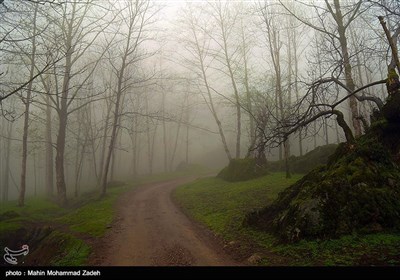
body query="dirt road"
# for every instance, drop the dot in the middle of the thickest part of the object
(151, 230)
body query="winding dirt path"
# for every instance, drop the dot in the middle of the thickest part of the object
(151, 230)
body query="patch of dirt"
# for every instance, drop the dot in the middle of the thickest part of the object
(150, 230)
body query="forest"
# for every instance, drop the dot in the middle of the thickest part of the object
(273, 124)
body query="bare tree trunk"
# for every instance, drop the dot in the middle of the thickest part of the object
(358, 70)
(171, 164)
(27, 101)
(135, 146)
(80, 153)
(135, 152)
(63, 116)
(112, 144)
(35, 173)
(91, 138)
(275, 48)
(164, 130)
(199, 51)
(62, 129)
(104, 142)
(60, 176)
(326, 131)
(296, 85)
(210, 99)
(49, 152)
(287, 167)
(337, 133)
(346, 129)
(152, 148)
(222, 21)
(136, 15)
(114, 126)
(347, 68)
(187, 145)
(114, 156)
(6, 173)
(315, 135)
(150, 138)
(248, 93)
(187, 118)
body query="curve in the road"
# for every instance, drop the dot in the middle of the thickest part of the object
(152, 231)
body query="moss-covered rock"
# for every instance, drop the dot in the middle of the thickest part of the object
(242, 170)
(357, 190)
(305, 163)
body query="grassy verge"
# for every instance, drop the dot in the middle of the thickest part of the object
(94, 216)
(46, 225)
(222, 206)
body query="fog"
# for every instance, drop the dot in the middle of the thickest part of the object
(144, 86)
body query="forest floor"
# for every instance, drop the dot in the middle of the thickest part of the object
(68, 236)
(150, 230)
(222, 206)
(177, 221)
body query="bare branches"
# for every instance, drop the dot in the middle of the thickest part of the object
(374, 99)
(309, 24)
(316, 110)
(392, 40)
(21, 87)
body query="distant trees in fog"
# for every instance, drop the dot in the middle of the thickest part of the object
(85, 85)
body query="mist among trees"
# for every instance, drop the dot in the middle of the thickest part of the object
(98, 91)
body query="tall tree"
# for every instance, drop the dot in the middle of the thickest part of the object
(135, 19)
(196, 43)
(80, 28)
(225, 17)
(27, 101)
(337, 34)
(275, 44)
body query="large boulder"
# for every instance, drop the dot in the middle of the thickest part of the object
(358, 190)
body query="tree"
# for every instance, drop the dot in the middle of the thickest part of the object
(8, 127)
(139, 14)
(225, 18)
(196, 42)
(81, 27)
(27, 101)
(337, 34)
(275, 44)
(317, 104)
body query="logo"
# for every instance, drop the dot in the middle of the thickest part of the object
(10, 255)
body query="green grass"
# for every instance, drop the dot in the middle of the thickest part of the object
(74, 250)
(222, 206)
(93, 217)
(87, 214)
(36, 208)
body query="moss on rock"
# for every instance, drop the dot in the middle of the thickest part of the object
(358, 190)
(305, 163)
(242, 170)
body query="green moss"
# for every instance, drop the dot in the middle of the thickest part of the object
(304, 164)
(93, 218)
(222, 206)
(74, 251)
(242, 170)
(359, 190)
(35, 224)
